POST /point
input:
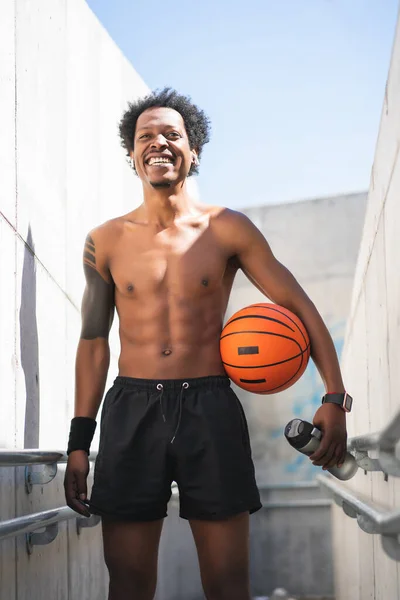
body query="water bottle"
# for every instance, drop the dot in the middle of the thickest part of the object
(306, 438)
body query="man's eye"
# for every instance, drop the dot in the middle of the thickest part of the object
(145, 135)
(173, 134)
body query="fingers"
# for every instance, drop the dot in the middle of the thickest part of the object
(81, 487)
(336, 458)
(329, 455)
(343, 455)
(76, 492)
(323, 455)
(79, 507)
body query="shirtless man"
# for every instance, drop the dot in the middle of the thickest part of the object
(168, 269)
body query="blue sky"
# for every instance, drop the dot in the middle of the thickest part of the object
(294, 88)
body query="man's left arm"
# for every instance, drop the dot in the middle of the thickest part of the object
(273, 279)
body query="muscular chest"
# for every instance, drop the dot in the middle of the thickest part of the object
(189, 262)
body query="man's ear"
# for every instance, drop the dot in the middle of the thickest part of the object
(195, 158)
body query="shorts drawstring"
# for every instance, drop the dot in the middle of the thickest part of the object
(185, 386)
(160, 388)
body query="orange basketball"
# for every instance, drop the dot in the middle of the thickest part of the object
(265, 348)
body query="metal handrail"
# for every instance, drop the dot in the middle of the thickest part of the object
(306, 503)
(371, 517)
(310, 503)
(288, 485)
(48, 520)
(22, 458)
(268, 487)
(46, 460)
(293, 486)
(383, 443)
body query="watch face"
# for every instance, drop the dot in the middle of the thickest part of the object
(348, 401)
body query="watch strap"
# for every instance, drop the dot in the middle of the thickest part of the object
(342, 399)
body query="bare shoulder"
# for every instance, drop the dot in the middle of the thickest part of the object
(107, 232)
(221, 215)
(229, 222)
(99, 244)
(104, 237)
(236, 232)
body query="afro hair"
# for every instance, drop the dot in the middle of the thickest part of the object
(197, 124)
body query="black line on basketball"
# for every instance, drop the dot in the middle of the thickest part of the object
(264, 333)
(253, 380)
(290, 378)
(259, 317)
(281, 362)
(248, 350)
(281, 313)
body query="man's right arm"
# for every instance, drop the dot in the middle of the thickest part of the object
(92, 362)
(93, 355)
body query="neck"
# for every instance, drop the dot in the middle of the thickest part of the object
(163, 205)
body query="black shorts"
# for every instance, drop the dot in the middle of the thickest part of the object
(193, 432)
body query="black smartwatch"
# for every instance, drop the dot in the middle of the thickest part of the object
(344, 400)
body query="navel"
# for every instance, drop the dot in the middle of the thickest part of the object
(129, 287)
(166, 352)
(204, 282)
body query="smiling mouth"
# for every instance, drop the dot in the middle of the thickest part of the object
(159, 161)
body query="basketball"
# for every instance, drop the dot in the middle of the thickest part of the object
(265, 348)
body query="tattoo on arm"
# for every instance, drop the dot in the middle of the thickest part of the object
(98, 299)
(89, 254)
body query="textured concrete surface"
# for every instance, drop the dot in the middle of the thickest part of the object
(64, 85)
(371, 357)
(291, 547)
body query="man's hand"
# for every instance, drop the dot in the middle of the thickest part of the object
(331, 420)
(75, 481)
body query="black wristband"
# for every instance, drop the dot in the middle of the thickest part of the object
(81, 434)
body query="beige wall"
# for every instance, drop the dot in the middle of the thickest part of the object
(371, 357)
(64, 85)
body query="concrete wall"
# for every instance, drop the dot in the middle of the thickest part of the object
(64, 85)
(318, 240)
(371, 357)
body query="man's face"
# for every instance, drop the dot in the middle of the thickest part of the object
(161, 153)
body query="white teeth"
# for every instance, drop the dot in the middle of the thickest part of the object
(159, 160)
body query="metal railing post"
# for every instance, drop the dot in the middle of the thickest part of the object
(40, 468)
(371, 518)
(382, 443)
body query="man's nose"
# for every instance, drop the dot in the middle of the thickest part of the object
(159, 141)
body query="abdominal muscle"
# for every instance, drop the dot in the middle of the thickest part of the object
(170, 337)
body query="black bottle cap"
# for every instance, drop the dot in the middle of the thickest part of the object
(298, 432)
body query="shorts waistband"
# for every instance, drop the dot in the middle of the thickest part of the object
(211, 381)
